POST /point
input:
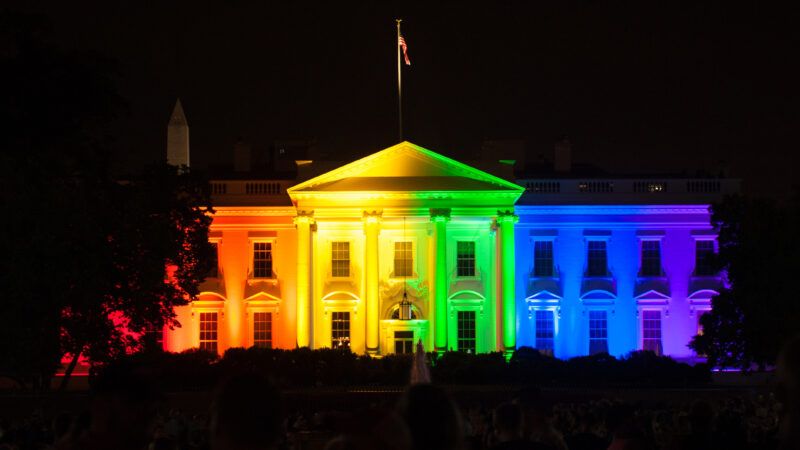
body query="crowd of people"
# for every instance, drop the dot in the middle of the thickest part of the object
(248, 413)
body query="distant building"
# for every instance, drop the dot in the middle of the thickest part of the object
(406, 245)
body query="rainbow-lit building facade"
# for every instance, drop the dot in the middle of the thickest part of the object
(407, 245)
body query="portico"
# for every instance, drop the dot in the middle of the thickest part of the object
(405, 223)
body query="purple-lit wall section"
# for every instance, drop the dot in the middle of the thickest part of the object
(678, 295)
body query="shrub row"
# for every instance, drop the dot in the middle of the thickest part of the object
(302, 368)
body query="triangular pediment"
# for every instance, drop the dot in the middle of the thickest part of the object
(544, 297)
(652, 296)
(405, 167)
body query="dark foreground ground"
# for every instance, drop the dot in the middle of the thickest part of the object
(725, 385)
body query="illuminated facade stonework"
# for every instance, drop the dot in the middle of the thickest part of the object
(407, 245)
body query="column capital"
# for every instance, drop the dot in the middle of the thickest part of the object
(440, 214)
(373, 216)
(304, 217)
(507, 216)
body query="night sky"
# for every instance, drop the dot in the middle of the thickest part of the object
(666, 86)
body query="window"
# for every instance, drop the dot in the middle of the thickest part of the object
(465, 258)
(543, 258)
(704, 258)
(396, 314)
(340, 259)
(404, 342)
(213, 272)
(651, 331)
(403, 259)
(545, 331)
(340, 329)
(700, 315)
(651, 259)
(262, 329)
(153, 338)
(466, 331)
(262, 259)
(208, 331)
(597, 258)
(598, 332)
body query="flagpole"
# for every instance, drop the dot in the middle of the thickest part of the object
(399, 85)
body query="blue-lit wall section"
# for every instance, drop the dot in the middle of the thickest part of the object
(675, 296)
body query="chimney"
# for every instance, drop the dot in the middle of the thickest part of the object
(562, 162)
(178, 137)
(241, 156)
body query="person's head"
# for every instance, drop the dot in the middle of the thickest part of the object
(701, 417)
(507, 422)
(789, 374)
(246, 414)
(432, 418)
(789, 391)
(62, 423)
(535, 409)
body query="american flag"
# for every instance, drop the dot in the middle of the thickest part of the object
(401, 41)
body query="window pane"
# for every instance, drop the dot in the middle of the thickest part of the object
(545, 331)
(262, 259)
(597, 265)
(651, 259)
(213, 272)
(466, 331)
(340, 259)
(543, 258)
(598, 332)
(465, 258)
(403, 259)
(651, 331)
(262, 329)
(340, 329)
(403, 342)
(704, 254)
(208, 331)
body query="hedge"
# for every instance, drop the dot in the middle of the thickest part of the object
(304, 368)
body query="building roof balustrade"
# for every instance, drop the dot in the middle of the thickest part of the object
(627, 190)
(250, 192)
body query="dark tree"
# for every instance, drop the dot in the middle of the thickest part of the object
(84, 255)
(759, 244)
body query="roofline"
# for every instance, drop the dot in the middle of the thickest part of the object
(484, 176)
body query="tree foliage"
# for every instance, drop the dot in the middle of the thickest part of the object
(758, 248)
(84, 255)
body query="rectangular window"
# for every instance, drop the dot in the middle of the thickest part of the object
(597, 265)
(208, 331)
(213, 272)
(340, 259)
(651, 259)
(543, 258)
(700, 315)
(598, 332)
(403, 259)
(466, 331)
(404, 342)
(651, 331)
(340, 329)
(153, 338)
(262, 329)
(545, 331)
(704, 257)
(262, 259)
(465, 258)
